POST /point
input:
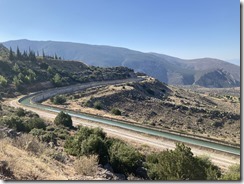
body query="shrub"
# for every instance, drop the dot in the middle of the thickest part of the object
(20, 112)
(116, 112)
(94, 144)
(233, 173)
(217, 124)
(124, 158)
(63, 119)
(98, 105)
(87, 165)
(48, 137)
(37, 132)
(58, 100)
(14, 122)
(30, 143)
(35, 123)
(3, 81)
(88, 141)
(180, 164)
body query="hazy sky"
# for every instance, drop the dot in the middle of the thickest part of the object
(182, 28)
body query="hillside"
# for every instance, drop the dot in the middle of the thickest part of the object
(32, 148)
(56, 148)
(154, 104)
(165, 68)
(25, 75)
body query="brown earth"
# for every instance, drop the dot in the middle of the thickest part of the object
(165, 107)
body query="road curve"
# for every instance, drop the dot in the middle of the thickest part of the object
(32, 100)
(157, 143)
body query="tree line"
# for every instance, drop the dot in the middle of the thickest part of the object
(29, 55)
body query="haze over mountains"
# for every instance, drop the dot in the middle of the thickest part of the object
(205, 72)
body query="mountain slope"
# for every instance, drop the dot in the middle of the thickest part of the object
(165, 68)
(26, 75)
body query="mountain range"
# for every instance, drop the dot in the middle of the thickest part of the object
(207, 72)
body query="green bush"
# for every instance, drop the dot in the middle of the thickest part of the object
(58, 100)
(61, 133)
(88, 141)
(3, 81)
(63, 119)
(233, 173)
(20, 112)
(48, 137)
(35, 123)
(37, 132)
(180, 164)
(124, 158)
(116, 112)
(98, 105)
(14, 122)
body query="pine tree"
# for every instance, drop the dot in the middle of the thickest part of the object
(43, 54)
(55, 57)
(11, 54)
(19, 55)
(32, 55)
(25, 55)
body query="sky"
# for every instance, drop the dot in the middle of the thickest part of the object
(182, 28)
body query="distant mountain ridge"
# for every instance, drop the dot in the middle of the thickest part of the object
(168, 69)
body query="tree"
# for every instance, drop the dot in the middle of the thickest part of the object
(32, 55)
(3, 81)
(55, 56)
(19, 55)
(16, 68)
(63, 119)
(43, 54)
(25, 55)
(31, 75)
(11, 54)
(16, 81)
(57, 80)
(50, 70)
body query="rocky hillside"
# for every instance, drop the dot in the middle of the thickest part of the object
(155, 104)
(165, 68)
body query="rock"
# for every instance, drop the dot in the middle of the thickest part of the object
(108, 167)
(108, 175)
(11, 133)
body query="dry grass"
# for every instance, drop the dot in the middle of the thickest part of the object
(87, 165)
(28, 166)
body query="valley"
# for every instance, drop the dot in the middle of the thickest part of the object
(115, 96)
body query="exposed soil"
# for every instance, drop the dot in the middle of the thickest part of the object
(166, 107)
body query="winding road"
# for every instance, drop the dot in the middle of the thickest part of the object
(222, 155)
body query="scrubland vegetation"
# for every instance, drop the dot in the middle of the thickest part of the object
(82, 150)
